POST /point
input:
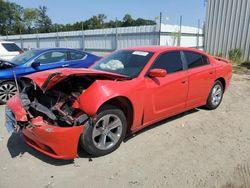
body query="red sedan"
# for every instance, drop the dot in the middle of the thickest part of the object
(122, 93)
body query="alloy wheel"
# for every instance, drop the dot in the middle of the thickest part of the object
(107, 131)
(216, 94)
(7, 90)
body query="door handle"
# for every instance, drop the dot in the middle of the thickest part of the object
(211, 72)
(184, 81)
(65, 65)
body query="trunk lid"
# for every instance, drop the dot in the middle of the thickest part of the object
(221, 59)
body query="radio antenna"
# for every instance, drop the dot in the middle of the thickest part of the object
(14, 74)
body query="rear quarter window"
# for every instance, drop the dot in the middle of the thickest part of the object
(195, 59)
(76, 55)
(11, 47)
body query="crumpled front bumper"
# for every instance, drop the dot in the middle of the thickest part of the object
(54, 141)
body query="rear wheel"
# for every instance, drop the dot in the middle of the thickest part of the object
(105, 134)
(7, 90)
(215, 96)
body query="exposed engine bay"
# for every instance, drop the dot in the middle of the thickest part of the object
(55, 105)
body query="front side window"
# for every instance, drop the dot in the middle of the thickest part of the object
(170, 61)
(195, 59)
(126, 62)
(52, 57)
(25, 57)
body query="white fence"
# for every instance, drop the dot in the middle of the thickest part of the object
(105, 40)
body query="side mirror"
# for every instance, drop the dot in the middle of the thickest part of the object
(157, 73)
(35, 64)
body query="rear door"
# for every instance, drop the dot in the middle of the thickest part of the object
(201, 75)
(167, 95)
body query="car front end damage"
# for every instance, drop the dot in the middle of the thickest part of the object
(47, 121)
(54, 141)
(47, 113)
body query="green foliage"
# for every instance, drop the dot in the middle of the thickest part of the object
(128, 20)
(219, 54)
(14, 19)
(10, 17)
(30, 15)
(176, 38)
(235, 55)
(43, 22)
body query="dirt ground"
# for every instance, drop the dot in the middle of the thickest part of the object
(199, 148)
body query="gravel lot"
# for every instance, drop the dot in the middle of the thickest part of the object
(199, 148)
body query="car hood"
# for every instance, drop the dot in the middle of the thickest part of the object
(47, 79)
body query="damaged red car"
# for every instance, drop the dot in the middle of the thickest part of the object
(132, 88)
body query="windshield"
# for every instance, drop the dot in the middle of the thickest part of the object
(23, 58)
(126, 62)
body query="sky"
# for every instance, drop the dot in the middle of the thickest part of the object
(71, 11)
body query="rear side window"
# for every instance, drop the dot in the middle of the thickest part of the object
(76, 55)
(170, 61)
(195, 59)
(11, 47)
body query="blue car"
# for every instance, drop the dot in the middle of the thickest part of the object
(39, 60)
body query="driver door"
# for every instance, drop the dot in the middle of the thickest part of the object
(50, 60)
(166, 96)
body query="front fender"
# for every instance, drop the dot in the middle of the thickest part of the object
(102, 91)
(97, 94)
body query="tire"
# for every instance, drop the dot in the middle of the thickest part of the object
(7, 90)
(105, 134)
(215, 96)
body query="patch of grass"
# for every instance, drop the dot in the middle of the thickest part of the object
(235, 55)
(236, 58)
(220, 54)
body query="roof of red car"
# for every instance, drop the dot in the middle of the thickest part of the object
(160, 48)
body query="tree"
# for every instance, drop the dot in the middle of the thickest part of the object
(96, 22)
(141, 21)
(10, 18)
(127, 20)
(14, 19)
(102, 18)
(30, 16)
(43, 22)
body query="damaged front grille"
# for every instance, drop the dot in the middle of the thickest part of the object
(55, 105)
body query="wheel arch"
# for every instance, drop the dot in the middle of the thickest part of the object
(6, 80)
(223, 81)
(124, 104)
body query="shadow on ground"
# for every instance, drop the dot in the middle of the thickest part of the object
(17, 147)
(161, 123)
(246, 65)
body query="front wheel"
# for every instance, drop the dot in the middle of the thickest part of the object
(215, 95)
(105, 134)
(7, 90)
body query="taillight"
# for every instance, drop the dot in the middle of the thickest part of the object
(20, 52)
